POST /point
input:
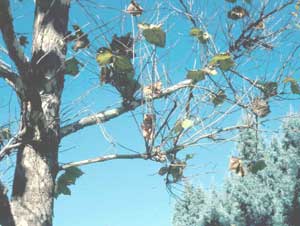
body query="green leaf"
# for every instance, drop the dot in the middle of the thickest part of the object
(60, 189)
(218, 98)
(294, 85)
(104, 56)
(72, 66)
(259, 165)
(178, 127)
(248, 1)
(154, 34)
(232, 1)
(196, 75)
(225, 65)
(123, 64)
(189, 156)
(223, 60)
(69, 177)
(163, 170)
(219, 57)
(202, 36)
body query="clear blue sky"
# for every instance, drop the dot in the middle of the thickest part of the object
(127, 192)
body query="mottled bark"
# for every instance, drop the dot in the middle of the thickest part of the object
(37, 165)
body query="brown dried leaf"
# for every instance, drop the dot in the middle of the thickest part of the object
(152, 89)
(235, 165)
(134, 9)
(148, 129)
(260, 107)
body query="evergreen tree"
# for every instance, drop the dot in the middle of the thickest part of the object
(269, 195)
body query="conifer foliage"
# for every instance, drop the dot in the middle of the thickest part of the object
(268, 196)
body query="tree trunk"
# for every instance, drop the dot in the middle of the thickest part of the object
(37, 164)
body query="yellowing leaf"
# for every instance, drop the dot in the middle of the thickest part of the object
(104, 56)
(187, 123)
(223, 61)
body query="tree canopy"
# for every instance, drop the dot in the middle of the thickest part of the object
(170, 76)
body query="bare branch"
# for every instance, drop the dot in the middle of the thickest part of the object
(6, 218)
(7, 28)
(104, 159)
(107, 115)
(10, 77)
(8, 148)
(146, 156)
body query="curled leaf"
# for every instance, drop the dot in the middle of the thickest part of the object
(134, 9)
(236, 166)
(260, 107)
(176, 170)
(163, 170)
(148, 127)
(270, 89)
(81, 40)
(294, 85)
(237, 12)
(218, 98)
(152, 89)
